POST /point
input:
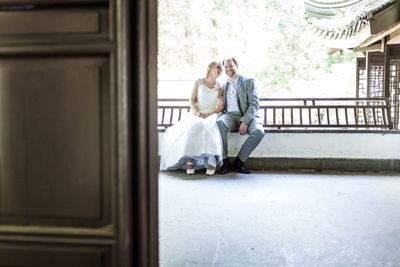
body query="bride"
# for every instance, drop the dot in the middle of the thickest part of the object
(195, 142)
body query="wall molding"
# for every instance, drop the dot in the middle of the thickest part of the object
(325, 164)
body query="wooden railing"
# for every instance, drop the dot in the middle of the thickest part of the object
(304, 113)
(171, 110)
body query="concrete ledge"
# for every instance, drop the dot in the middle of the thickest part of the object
(321, 151)
(321, 145)
(324, 164)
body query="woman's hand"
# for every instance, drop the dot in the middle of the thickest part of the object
(205, 114)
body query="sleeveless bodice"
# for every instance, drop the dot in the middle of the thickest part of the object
(207, 98)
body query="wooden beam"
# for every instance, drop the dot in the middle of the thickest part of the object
(372, 48)
(394, 37)
(376, 37)
(385, 19)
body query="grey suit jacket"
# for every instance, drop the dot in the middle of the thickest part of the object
(247, 99)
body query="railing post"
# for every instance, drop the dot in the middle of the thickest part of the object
(389, 114)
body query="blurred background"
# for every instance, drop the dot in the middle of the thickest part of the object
(270, 39)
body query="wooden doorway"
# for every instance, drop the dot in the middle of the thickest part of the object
(78, 143)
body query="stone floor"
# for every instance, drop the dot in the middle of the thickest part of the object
(279, 219)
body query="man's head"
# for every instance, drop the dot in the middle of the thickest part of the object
(231, 66)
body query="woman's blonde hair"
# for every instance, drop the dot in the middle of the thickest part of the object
(210, 66)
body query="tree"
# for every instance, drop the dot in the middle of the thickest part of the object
(269, 38)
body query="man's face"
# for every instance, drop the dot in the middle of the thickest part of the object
(230, 68)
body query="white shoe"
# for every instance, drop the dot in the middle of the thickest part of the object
(189, 167)
(210, 172)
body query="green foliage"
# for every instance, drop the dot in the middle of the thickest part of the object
(269, 38)
(341, 57)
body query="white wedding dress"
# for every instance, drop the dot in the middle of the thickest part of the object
(194, 137)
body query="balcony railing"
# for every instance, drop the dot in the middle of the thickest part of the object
(301, 113)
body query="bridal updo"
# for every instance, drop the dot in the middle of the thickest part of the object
(211, 66)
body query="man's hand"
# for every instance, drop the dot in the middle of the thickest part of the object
(243, 128)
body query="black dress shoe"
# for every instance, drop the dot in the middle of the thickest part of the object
(226, 167)
(239, 166)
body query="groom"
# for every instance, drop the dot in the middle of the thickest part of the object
(240, 112)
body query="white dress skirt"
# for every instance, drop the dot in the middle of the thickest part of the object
(194, 137)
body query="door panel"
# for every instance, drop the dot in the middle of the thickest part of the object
(58, 134)
(54, 255)
(36, 22)
(55, 166)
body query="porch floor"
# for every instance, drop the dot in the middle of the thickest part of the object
(279, 219)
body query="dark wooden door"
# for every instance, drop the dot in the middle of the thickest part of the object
(70, 73)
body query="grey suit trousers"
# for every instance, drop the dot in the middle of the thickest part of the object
(231, 122)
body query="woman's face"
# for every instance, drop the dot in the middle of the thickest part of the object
(217, 70)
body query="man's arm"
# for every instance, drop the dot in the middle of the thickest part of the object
(252, 101)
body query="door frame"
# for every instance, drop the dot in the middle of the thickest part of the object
(138, 135)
